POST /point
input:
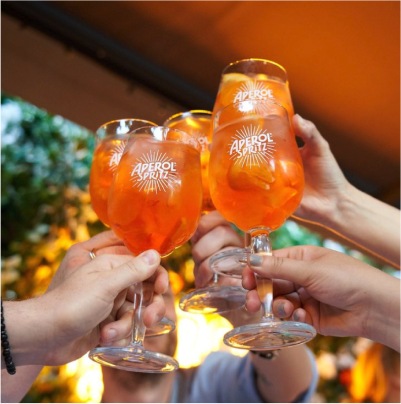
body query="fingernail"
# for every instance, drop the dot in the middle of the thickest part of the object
(300, 119)
(149, 256)
(280, 310)
(255, 260)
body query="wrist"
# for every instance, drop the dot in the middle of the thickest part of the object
(26, 331)
(383, 321)
(343, 209)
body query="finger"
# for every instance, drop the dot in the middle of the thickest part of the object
(206, 223)
(283, 308)
(128, 270)
(248, 279)
(213, 241)
(308, 132)
(102, 240)
(117, 330)
(114, 249)
(161, 282)
(252, 303)
(303, 316)
(118, 303)
(155, 311)
(281, 267)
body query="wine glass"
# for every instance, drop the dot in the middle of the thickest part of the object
(197, 123)
(154, 202)
(256, 181)
(254, 79)
(215, 298)
(111, 138)
(164, 326)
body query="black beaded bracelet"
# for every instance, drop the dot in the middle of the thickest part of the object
(5, 346)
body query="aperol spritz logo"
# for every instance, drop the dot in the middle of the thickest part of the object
(252, 145)
(154, 172)
(253, 90)
(115, 156)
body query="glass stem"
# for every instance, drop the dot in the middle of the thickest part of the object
(138, 327)
(260, 244)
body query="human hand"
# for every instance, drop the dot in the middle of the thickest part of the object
(325, 183)
(85, 294)
(337, 294)
(213, 234)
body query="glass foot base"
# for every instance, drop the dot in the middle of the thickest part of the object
(230, 262)
(214, 299)
(164, 326)
(133, 359)
(270, 335)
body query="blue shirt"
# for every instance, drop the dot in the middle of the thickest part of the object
(226, 378)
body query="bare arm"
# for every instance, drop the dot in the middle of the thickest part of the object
(331, 201)
(12, 391)
(284, 378)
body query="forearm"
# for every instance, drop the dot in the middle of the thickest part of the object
(292, 365)
(368, 223)
(14, 387)
(383, 322)
(26, 332)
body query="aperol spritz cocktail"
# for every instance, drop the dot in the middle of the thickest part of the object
(218, 297)
(154, 202)
(252, 80)
(197, 123)
(156, 196)
(256, 162)
(256, 182)
(111, 139)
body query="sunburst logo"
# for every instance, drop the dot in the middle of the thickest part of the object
(154, 172)
(252, 146)
(115, 156)
(253, 90)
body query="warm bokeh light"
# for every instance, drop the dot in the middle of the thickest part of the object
(198, 335)
(88, 376)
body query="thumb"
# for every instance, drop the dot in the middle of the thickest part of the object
(133, 270)
(287, 269)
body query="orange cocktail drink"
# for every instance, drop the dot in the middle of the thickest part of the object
(256, 173)
(156, 195)
(253, 80)
(111, 138)
(197, 123)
